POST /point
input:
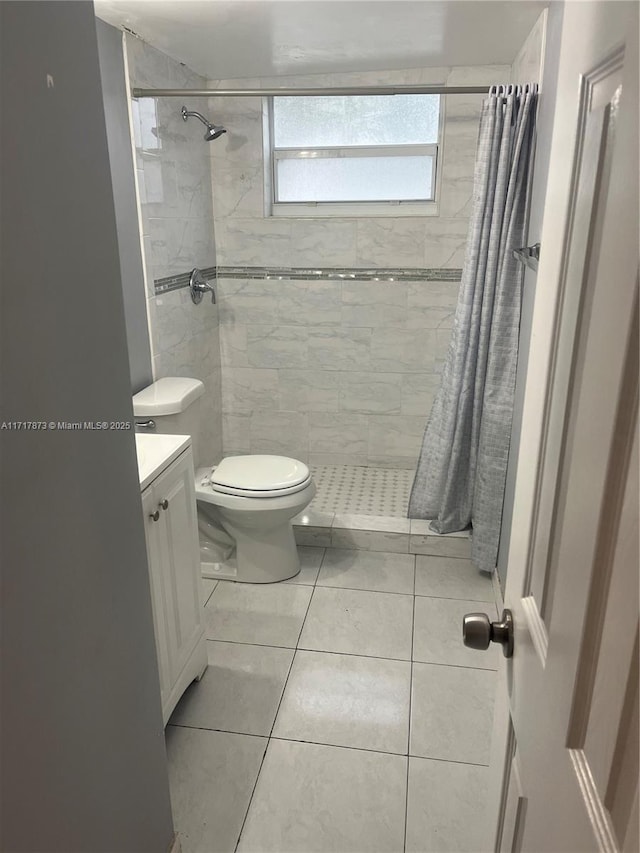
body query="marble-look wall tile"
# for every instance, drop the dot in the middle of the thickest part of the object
(196, 357)
(418, 393)
(445, 243)
(404, 350)
(255, 242)
(340, 348)
(308, 303)
(174, 318)
(178, 245)
(233, 345)
(313, 242)
(236, 433)
(277, 346)
(395, 435)
(280, 433)
(432, 304)
(309, 390)
(371, 393)
(329, 431)
(174, 186)
(237, 189)
(246, 389)
(374, 303)
(247, 301)
(398, 242)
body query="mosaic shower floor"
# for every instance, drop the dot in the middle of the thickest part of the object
(361, 491)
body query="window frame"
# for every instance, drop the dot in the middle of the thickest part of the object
(297, 209)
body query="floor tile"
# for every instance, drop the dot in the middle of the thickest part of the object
(208, 586)
(446, 807)
(437, 633)
(240, 690)
(362, 490)
(267, 614)
(449, 577)
(211, 776)
(374, 570)
(358, 622)
(326, 799)
(346, 700)
(310, 560)
(452, 713)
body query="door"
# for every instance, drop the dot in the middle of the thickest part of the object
(565, 747)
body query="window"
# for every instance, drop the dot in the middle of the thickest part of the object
(354, 155)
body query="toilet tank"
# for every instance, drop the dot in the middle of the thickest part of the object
(173, 403)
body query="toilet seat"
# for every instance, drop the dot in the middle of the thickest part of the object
(259, 476)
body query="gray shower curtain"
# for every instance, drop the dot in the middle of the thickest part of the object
(462, 467)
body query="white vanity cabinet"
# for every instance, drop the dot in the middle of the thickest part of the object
(171, 530)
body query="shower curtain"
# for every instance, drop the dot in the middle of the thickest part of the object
(460, 478)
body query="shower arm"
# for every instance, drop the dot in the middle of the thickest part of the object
(188, 113)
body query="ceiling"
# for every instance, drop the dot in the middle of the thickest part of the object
(261, 38)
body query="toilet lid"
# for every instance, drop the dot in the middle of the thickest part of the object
(259, 473)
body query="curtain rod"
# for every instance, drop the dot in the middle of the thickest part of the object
(289, 93)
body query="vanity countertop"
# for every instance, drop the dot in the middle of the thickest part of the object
(155, 452)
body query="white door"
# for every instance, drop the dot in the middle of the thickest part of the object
(565, 748)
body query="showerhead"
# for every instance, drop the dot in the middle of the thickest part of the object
(213, 130)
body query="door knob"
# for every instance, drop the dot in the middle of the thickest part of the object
(154, 516)
(478, 632)
(164, 504)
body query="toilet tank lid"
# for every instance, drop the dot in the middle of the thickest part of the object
(168, 396)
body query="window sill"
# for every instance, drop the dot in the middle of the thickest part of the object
(353, 210)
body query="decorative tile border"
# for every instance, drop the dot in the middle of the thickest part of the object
(164, 285)
(176, 282)
(346, 273)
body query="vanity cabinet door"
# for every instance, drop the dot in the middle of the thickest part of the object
(154, 537)
(175, 499)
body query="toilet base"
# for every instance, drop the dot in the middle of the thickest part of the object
(268, 557)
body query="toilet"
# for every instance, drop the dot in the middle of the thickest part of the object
(245, 503)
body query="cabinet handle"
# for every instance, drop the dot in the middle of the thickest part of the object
(164, 504)
(154, 516)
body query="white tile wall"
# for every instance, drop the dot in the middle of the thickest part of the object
(359, 360)
(174, 185)
(333, 372)
(365, 391)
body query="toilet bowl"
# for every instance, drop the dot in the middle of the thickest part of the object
(245, 503)
(253, 498)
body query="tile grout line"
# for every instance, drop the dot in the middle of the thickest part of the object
(350, 654)
(324, 743)
(413, 622)
(275, 717)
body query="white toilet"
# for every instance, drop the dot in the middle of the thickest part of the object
(245, 503)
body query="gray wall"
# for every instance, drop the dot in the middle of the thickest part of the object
(83, 761)
(544, 130)
(115, 97)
